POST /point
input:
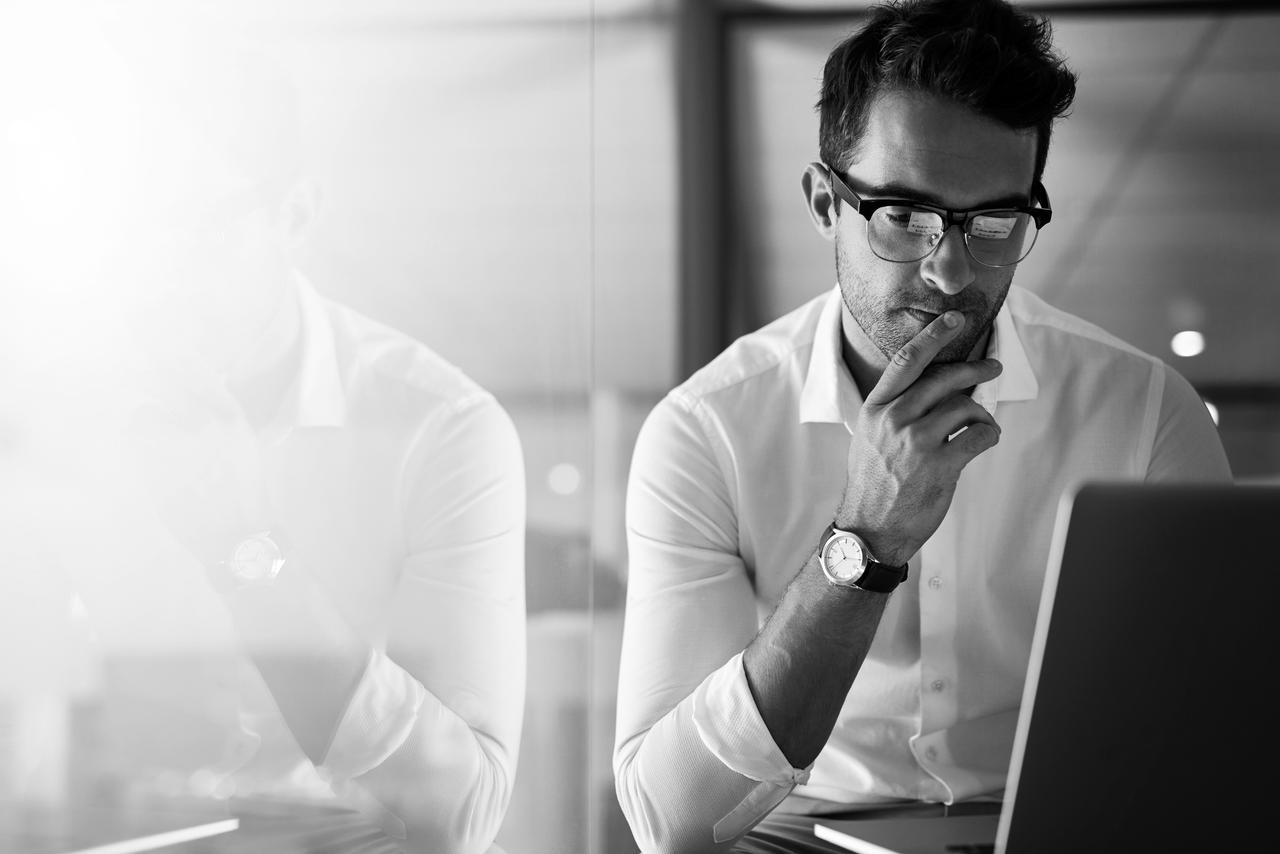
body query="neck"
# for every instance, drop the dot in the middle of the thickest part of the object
(262, 372)
(274, 339)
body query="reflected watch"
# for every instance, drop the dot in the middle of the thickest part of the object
(254, 561)
(847, 562)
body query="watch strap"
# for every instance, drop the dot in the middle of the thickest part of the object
(881, 578)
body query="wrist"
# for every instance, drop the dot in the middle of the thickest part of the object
(847, 560)
(886, 546)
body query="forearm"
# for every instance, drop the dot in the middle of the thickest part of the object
(803, 661)
(705, 773)
(360, 716)
(307, 654)
(449, 781)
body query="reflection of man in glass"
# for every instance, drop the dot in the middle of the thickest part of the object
(351, 502)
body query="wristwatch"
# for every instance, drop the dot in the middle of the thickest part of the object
(847, 562)
(254, 561)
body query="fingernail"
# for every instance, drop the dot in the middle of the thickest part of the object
(951, 318)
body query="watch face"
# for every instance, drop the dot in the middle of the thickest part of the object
(256, 559)
(843, 558)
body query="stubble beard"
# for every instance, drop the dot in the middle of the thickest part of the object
(879, 313)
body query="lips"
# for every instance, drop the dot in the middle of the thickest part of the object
(922, 315)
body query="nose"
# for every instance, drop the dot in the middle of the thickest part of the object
(949, 267)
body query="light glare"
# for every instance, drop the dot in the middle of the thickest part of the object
(564, 479)
(1187, 343)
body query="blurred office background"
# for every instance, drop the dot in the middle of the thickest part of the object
(579, 202)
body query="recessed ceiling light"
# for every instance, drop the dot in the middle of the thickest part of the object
(1187, 343)
(564, 479)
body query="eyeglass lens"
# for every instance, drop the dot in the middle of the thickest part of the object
(996, 239)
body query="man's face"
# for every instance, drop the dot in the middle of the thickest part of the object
(208, 258)
(930, 150)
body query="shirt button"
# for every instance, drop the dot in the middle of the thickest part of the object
(935, 582)
(937, 685)
(931, 754)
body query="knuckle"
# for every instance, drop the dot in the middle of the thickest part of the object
(904, 357)
(985, 435)
(913, 437)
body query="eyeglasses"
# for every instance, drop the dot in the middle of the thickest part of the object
(903, 231)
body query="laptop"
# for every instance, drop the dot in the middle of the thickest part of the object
(1144, 723)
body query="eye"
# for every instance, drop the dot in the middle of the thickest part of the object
(900, 217)
(993, 226)
(912, 220)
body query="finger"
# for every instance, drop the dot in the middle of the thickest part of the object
(906, 365)
(952, 415)
(939, 382)
(975, 439)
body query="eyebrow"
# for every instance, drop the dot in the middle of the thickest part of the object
(899, 191)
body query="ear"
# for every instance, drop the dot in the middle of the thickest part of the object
(820, 199)
(301, 208)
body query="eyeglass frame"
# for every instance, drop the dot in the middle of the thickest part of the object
(1041, 214)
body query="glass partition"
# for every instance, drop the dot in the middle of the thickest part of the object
(296, 452)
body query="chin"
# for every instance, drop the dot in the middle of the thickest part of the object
(892, 338)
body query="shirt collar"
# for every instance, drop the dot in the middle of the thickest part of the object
(829, 395)
(1017, 381)
(317, 397)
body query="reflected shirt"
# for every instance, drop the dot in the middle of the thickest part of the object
(403, 487)
(398, 486)
(735, 475)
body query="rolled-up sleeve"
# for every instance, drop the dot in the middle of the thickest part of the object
(694, 764)
(433, 728)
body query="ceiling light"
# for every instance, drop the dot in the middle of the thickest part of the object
(564, 479)
(1188, 343)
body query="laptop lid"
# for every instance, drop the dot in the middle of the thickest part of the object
(1146, 677)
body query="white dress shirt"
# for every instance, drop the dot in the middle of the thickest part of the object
(411, 511)
(735, 475)
(398, 484)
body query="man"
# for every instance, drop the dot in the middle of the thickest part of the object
(838, 529)
(277, 476)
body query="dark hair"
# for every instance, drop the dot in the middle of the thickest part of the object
(981, 54)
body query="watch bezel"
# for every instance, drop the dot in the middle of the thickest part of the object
(238, 564)
(840, 534)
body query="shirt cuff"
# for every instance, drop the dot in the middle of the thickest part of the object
(379, 718)
(730, 726)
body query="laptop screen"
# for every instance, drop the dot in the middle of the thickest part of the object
(1150, 659)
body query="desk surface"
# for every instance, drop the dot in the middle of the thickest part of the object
(191, 827)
